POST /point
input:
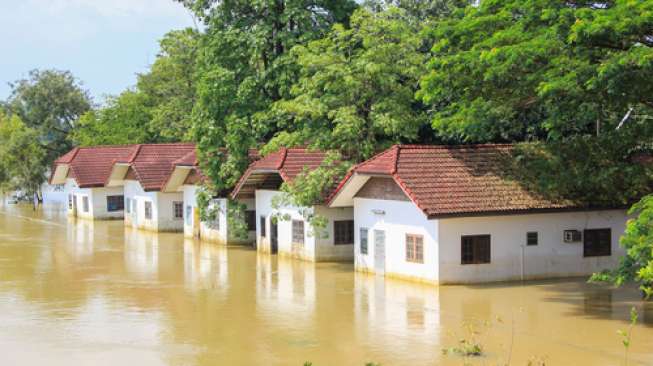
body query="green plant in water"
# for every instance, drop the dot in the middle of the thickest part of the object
(469, 346)
(626, 335)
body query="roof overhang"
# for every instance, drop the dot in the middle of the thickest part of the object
(59, 174)
(254, 179)
(117, 175)
(344, 196)
(176, 179)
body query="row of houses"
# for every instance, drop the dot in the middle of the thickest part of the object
(436, 214)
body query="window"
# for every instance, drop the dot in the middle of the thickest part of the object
(70, 201)
(475, 249)
(364, 240)
(531, 238)
(128, 205)
(115, 203)
(343, 232)
(178, 210)
(85, 203)
(250, 219)
(134, 206)
(148, 210)
(262, 225)
(597, 242)
(189, 215)
(414, 248)
(298, 231)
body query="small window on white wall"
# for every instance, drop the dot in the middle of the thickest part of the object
(364, 232)
(85, 203)
(148, 210)
(178, 210)
(189, 215)
(128, 205)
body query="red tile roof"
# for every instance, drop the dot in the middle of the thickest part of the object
(91, 166)
(153, 163)
(287, 162)
(454, 180)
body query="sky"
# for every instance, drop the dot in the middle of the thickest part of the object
(104, 43)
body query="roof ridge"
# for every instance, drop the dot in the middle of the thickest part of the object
(105, 146)
(284, 154)
(135, 153)
(457, 146)
(397, 151)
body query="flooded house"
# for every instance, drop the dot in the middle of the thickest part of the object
(285, 229)
(84, 173)
(449, 215)
(187, 178)
(144, 174)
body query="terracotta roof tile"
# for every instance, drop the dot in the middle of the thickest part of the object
(456, 180)
(153, 163)
(91, 166)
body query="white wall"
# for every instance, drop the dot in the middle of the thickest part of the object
(314, 249)
(550, 258)
(162, 209)
(97, 201)
(396, 218)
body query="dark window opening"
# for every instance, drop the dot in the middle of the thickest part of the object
(263, 228)
(343, 232)
(597, 242)
(250, 220)
(475, 249)
(364, 240)
(178, 210)
(531, 238)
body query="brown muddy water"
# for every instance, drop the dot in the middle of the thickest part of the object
(84, 293)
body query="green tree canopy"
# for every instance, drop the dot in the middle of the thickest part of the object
(514, 69)
(124, 120)
(244, 66)
(356, 87)
(22, 157)
(50, 102)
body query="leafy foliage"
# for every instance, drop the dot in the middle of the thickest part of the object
(49, 102)
(243, 66)
(515, 70)
(356, 87)
(22, 158)
(637, 265)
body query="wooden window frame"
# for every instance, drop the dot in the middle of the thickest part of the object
(178, 210)
(592, 234)
(479, 254)
(294, 229)
(343, 232)
(415, 248)
(532, 239)
(364, 238)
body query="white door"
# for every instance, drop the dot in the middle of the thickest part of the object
(379, 252)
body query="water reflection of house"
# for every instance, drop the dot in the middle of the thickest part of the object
(187, 178)
(206, 265)
(84, 172)
(445, 214)
(283, 228)
(144, 174)
(287, 290)
(141, 252)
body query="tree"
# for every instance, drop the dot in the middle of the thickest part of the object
(513, 70)
(637, 264)
(23, 160)
(49, 102)
(169, 87)
(244, 66)
(124, 120)
(356, 87)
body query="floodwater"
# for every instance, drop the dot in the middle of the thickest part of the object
(84, 293)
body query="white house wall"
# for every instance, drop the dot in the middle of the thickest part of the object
(314, 249)
(162, 208)
(396, 219)
(97, 201)
(552, 257)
